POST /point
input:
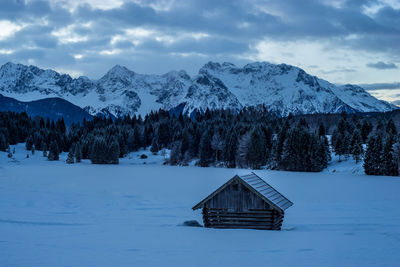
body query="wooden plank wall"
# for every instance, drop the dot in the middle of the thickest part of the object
(237, 197)
(237, 207)
(251, 219)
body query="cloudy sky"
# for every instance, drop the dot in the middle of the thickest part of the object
(341, 41)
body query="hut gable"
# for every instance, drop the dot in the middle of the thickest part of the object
(245, 201)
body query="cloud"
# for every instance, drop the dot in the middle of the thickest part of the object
(186, 34)
(396, 102)
(338, 70)
(381, 86)
(382, 65)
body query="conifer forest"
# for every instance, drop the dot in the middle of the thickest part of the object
(252, 138)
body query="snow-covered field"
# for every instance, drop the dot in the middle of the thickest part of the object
(54, 214)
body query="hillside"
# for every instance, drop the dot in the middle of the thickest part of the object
(52, 108)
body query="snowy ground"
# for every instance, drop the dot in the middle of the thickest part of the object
(54, 214)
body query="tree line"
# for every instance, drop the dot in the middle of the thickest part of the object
(251, 138)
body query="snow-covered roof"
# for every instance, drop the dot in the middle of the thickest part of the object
(266, 190)
(259, 187)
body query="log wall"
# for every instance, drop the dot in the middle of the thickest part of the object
(238, 207)
(251, 219)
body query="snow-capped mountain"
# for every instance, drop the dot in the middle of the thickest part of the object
(281, 88)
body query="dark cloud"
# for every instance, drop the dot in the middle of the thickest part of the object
(17, 10)
(231, 29)
(396, 102)
(381, 86)
(382, 65)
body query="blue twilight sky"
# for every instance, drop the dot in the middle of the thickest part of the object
(341, 41)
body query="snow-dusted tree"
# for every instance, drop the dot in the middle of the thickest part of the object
(217, 144)
(373, 156)
(44, 149)
(78, 152)
(3, 142)
(391, 127)
(356, 146)
(256, 153)
(186, 142)
(163, 133)
(279, 142)
(389, 164)
(98, 151)
(175, 155)
(154, 146)
(242, 150)
(54, 151)
(366, 128)
(29, 143)
(70, 158)
(112, 156)
(205, 151)
(396, 153)
(231, 149)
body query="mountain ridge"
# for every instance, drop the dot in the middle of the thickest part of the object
(53, 108)
(281, 88)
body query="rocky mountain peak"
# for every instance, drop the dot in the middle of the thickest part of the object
(281, 88)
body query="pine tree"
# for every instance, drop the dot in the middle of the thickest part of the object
(391, 127)
(356, 146)
(345, 148)
(29, 143)
(54, 151)
(256, 154)
(70, 158)
(217, 145)
(186, 142)
(278, 147)
(338, 145)
(373, 156)
(98, 151)
(389, 164)
(204, 150)
(3, 142)
(242, 150)
(323, 153)
(334, 138)
(163, 134)
(112, 156)
(293, 157)
(396, 153)
(366, 128)
(379, 129)
(154, 146)
(327, 148)
(268, 141)
(175, 155)
(78, 152)
(138, 138)
(44, 148)
(231, 149)
(321, 130)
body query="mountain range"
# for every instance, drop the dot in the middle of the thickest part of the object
(282, 89)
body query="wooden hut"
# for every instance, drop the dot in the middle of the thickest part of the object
(245, 201)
